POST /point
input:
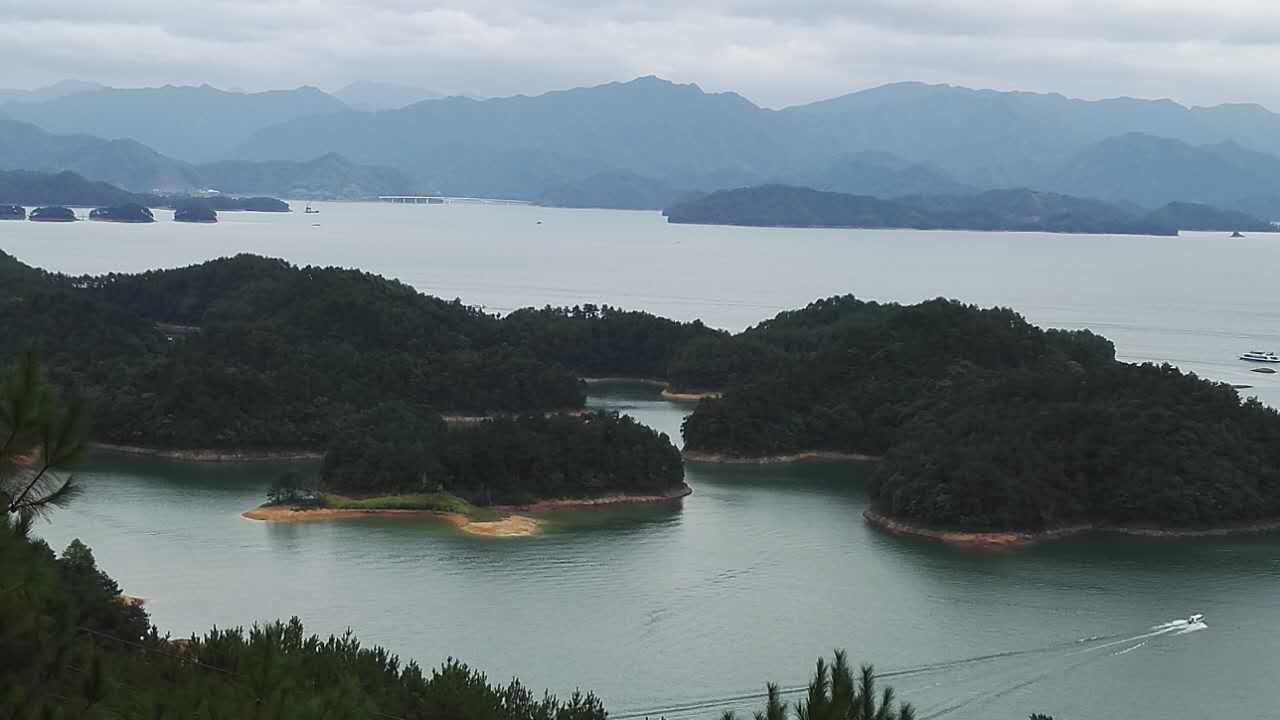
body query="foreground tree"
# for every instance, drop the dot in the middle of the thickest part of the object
(42, 434)
(835, 694)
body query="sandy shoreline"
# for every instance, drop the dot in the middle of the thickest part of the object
(213, 456)
(815, 456)
(510, 526)
(1010, 539)
(514, 524)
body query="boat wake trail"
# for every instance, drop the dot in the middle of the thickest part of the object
(988, 677)
(998, 684)
(1129, 649)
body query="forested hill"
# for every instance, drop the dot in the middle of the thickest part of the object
(393, 451)
(250, 353)
(23, 187)
(987, 422)
(993, 210)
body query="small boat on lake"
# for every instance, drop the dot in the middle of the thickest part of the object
(1264, 370)
(311, 211)
(1195, 619)
(1260, 356)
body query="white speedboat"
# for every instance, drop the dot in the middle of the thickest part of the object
(1195, 619)
(1260, 356)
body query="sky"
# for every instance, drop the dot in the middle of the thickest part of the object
(775, 52)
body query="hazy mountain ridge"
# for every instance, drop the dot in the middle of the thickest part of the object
(1021, 210)
(194, 124)
(59, 89)
(137, 168)
(330, 176)
(945, 140)
(643, 142)
(26, 187)
(647, 126)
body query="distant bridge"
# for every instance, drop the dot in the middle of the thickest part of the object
(444, 199)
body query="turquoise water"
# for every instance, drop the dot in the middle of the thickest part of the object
(762, 568)
(664, 607)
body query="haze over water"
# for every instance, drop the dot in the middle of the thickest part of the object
(762, 569)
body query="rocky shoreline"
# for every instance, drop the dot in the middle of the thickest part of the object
(1011, 539)
(563, 503)
(814, 456)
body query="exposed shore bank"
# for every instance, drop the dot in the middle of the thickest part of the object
(513, 524)
(472, 419)
(668, 394)
(510, 526)
(652, 382)
(1012, 539)
(604, 500)
(815, 456)
(213, 456)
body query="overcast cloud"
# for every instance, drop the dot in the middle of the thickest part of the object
(775, 52)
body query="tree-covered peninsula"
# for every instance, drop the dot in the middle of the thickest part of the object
(986, 422)
(993, 210)
(247, 353)
(253, 354)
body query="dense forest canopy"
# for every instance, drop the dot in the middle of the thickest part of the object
(393, 450)
(254, 353)
(599, 341)
(988, 422)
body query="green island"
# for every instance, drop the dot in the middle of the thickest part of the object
(75, 646)
(984, 425)
(227, 203)
(401, 394)
(127, 213)
(52, 213)
(195, 215)
(991, 429)
(1019, 210)
(480, 475)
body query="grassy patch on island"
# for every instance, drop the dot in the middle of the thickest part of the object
(435, 502)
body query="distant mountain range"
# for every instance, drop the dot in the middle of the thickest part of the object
(195, 124)
(648, 142)
(48, 92)
(993, 210)
(137, 168)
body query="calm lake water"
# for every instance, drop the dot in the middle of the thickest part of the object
(676, 609)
